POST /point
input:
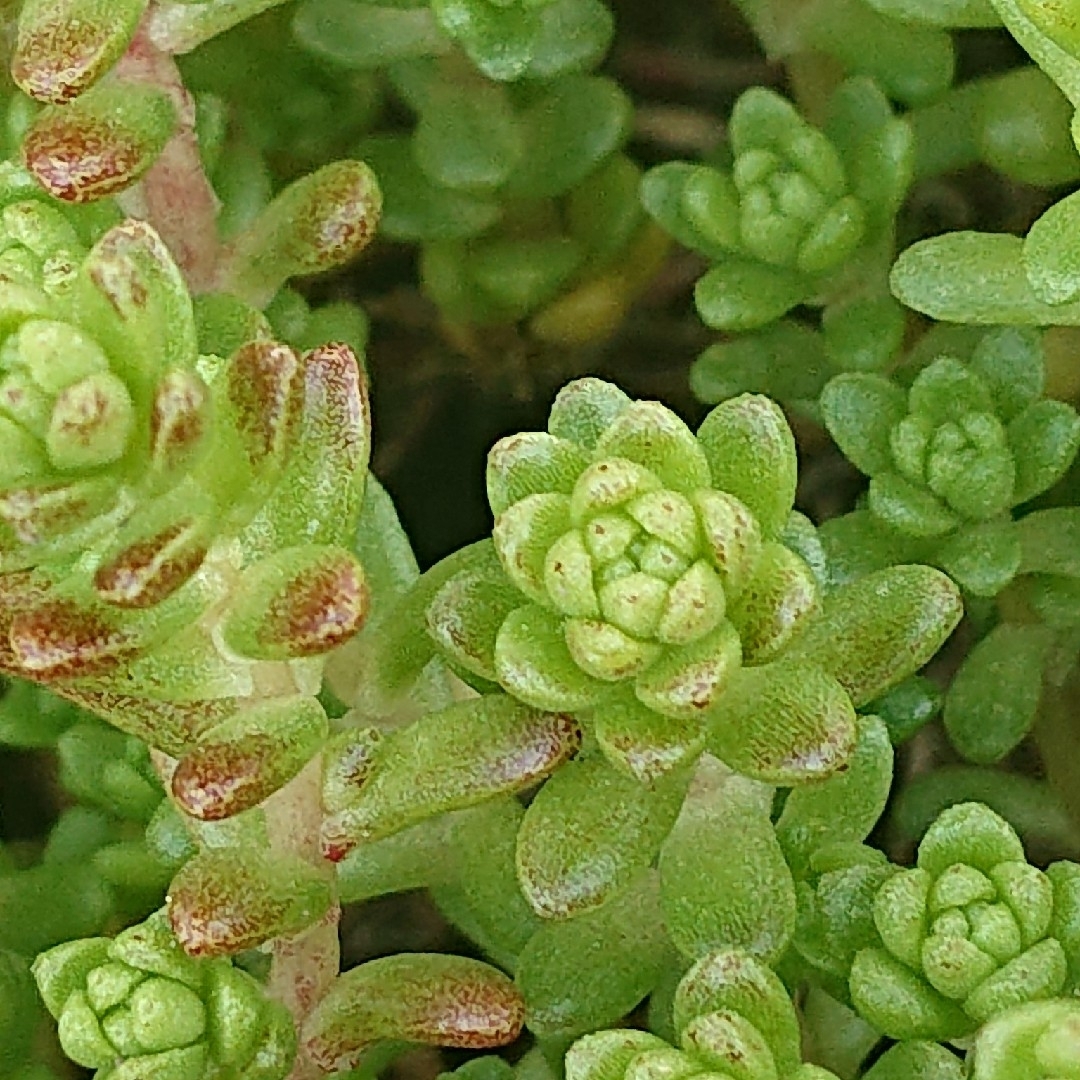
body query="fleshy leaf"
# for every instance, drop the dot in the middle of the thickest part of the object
(418, 997)
(101, 143)
(564, 996)
(982, 559)
(302, 601)
(778, 603)
(222, 902)
(874, 632)
(653, 436)
(740, 294)
(927, 1060)
(1052, 267)
(900, 1003)
(1044, 439)
(318, 222)
(244, 760)
(533, 663)
(531, 464)
(724, 882)
(860, 410)
(64, 48)
(584, 409)
(589, 832)
(994, 697)
(751, 452)
(970, 277)
(844, 807)
(447, 760)
(784, 723)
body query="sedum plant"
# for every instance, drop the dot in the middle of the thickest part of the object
(658, 775)
(952, 454)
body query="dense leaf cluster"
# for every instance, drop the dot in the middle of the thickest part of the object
(661, 737)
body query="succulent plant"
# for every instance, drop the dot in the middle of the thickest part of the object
(951, 456)
(733, 1019)
(968, 933)
(798, 209)
(137, 1006)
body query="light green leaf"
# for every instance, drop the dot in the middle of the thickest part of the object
(723, 877)
(994, 697)
(971, 277)
(589, 832)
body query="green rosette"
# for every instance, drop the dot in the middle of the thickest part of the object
(800, 208)
(137, 1006)
(950, 456)
(971, 931)
(733, 1020)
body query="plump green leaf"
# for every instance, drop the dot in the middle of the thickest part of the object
(564, 996)
(900, 1003)
(841, 808)
(416, 997)
(860, 410)
(1050, 257)
(573, 127)
(418, 208)
(589, 832)
(1044, 439)
(741, 294)
(994, 697)
(785, 360)
(971, 277)
(876, 631)
(723, 877)
(367, 35)
(908, 508)
(982, 559)
(926, 1060)
(751, 452)
(468, 139)
(947, 13)
(783, 723)
(705, 222)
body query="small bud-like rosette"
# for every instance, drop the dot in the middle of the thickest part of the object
(948, 458)
(733, 1020)
(971, 931)
(138, 1006)
(144, 485)
(637, 567)
(796, 207)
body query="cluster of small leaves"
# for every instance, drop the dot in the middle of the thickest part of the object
(800, 212)
(512, 180)
(950, 455)
(970, 932)
(648, 725)
(137, 1006)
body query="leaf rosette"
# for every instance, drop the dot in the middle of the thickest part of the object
(647, 595)
(733, 1020)
(137, 1006)
(145, 484)
(949, 457)
(799, 206)
(631, 583)
(971, 931)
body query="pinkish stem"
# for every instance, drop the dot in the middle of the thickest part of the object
(303, 966)
(175, 196)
